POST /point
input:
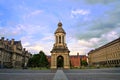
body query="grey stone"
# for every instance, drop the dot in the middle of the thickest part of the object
(60, 75)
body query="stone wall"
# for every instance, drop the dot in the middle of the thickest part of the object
(106, 55)
(12, 54)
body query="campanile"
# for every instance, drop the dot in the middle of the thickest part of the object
(60, 51)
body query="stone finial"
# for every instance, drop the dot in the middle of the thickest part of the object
(60, 24)
(24, 49)
(12, 41)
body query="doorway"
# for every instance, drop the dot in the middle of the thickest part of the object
(60, 62)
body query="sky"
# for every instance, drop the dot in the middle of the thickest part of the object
(89, 24)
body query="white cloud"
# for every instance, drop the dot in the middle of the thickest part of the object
(84, 46)
(110, 36)
(39, 45)
(89, 43)
(32, 13)
(48, 38)
(78, 12)
(84, 43)
(12, 31)
(94, 40)
(35, 45)
(75, 47)
(26, 44)
(31, 29)
(34, 38)
(36, 12)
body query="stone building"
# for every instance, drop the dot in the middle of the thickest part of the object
(106, 55)
(60, 52)
(12, 54)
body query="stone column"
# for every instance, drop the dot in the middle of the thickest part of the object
(61, 39)
(67, 64)
(64, 39)
(53, 61)
(64, 60)
(56, 39)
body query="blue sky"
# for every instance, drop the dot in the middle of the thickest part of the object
(88, 23)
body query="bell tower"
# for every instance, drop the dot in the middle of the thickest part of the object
(60, 52)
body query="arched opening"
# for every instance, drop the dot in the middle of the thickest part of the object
(59, 39)
(60, 62)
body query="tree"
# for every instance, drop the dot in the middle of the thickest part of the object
(84, 63)
(43, 59)
(38, 60)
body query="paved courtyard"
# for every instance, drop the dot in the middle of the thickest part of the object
(84, 74)
(94, 74)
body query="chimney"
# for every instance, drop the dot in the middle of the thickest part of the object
(24, 49)
(12, 41)
(2, 38)
(7, 39)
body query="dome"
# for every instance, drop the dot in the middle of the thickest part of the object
(60, 29)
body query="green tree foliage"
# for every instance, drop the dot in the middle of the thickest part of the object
(38, 60)
(43, 62)
(84, 63)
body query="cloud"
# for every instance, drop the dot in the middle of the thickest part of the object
(36, 46)
(77, 46)
(90, 43)
(12, 31)
(22, 29)
(33, 37)
(37, 38)
(32, 13)
(84, 43)
(48, 38)
(105, 38)
(78, 12)
(31, 29)
(102, 24)
(36, 12)
(26, 44)
(110, 36)
(83, 46)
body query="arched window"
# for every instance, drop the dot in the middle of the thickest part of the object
(59, 39)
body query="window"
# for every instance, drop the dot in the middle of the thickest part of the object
(59, 39)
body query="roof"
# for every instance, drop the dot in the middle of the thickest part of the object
(17, 42)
